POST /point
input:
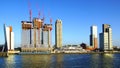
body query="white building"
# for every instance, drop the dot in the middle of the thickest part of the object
(94, 31)
(36, 35)
(26, 38)
(45, 38)
(104, 41)
(38, 38)
(9, 37)
(93, 37)
(106, 38)
(110, 39)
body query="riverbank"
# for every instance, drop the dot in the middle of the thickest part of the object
(109, 52)
(21, 53)
(3, 54)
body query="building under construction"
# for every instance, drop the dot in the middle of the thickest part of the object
(36, 36)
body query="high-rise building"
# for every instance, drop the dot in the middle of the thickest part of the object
(58, 34)
(93, 37)
(9, 36)
(31, 33)
(37, 32)
(106, 38)
(36, 36)
(26, 34)
(47, 35)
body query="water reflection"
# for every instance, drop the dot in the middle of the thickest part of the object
(109, 55)
(10, 62)
(94, 61)
(102, 61)
(57, 61)
(106, 61)
(61, 61)
(36, 61)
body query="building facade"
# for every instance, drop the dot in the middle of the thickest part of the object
(93, 37)
(106, 38)
(58, 34)
(9, 38)
(36, 36)
(26, 34)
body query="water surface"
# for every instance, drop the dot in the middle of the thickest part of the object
(61, 61)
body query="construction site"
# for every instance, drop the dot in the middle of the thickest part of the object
(36, 35)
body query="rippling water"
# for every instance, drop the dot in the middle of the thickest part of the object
(61, 61)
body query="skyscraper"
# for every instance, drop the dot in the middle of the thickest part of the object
(93, 37)
(47, 35)
(58, 34)
(9, 35)
(37, 32)
(26, 34)
(106, 38)
(36, 36)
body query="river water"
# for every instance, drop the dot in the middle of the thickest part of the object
(61, 61)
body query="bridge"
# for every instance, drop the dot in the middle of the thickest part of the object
(4, 47)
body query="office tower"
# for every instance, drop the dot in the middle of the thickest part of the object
(58, 34)
(93, 37)
(37, 32)
(47, 35)
(9, 37)
(36, 36)
(26, 34)
(31, 33)
(106, 38)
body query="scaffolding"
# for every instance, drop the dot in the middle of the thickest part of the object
(36, 35)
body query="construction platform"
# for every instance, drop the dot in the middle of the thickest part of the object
(34, 53)
(13, 52)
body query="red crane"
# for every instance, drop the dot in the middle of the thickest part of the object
(30, 10)
(43, 19)
(50, 18)
(30, 13)
(38, 11)
(50, 28)
(39, 24)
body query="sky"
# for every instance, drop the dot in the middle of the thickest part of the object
(77, 16)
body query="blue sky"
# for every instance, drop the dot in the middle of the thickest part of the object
(77, 17)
